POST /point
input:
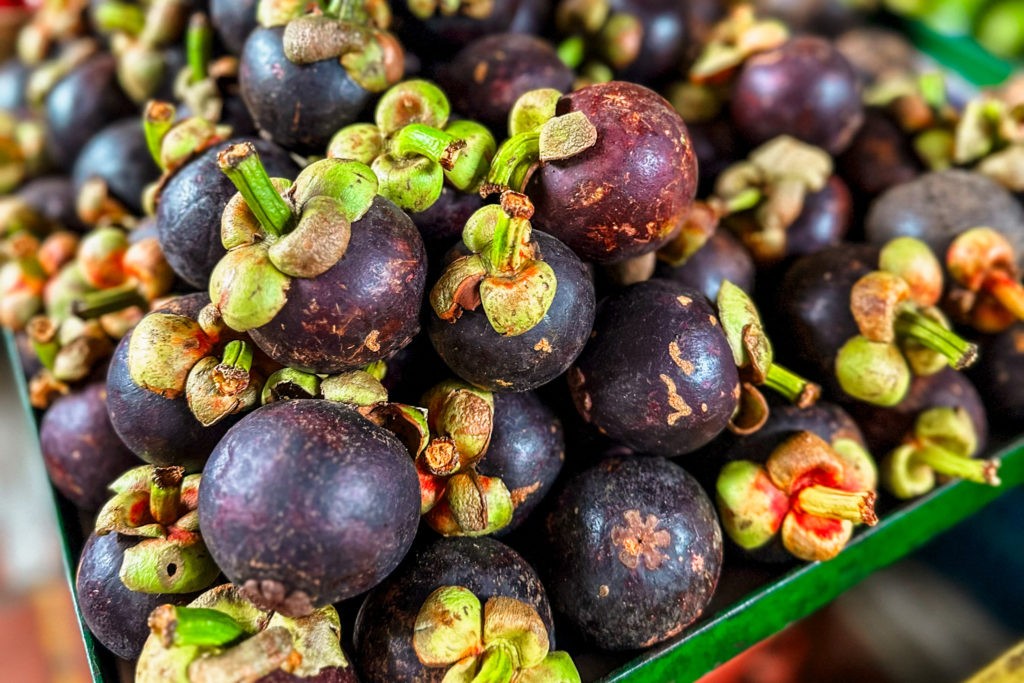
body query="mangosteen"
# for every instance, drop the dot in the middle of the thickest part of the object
(879, 157)
(80, 105)
(234, 21)
(514, 313)
(804, 88)
(119, 156)
(116, 616)
(291, 458)
(986, 290)
(657, 374)
(289, 64)
(326, 275)
(158, 425)
(938, 206)
(221, 633)
(505, 66)
(617, 172)
(384, 630)
(720, 258)
(634, 551)
(189, 210)
(81, 450)
(53, 197)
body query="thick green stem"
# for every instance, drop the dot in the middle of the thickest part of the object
(198, 47)
(496, 666)
(791, 385)
(950, 464)
(237, 354)
(241, 164)
(511, 236)
(120, 17)
(914, 325)
(165, 494)
(156, 121)
(197, 626)
(96, 304)
(433, 143)
(513, 161)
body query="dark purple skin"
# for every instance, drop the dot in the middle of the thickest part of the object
(673, 34)
(54, 197)
(30, 363)
(821, 17)
(885, 428)
(81, 105)
(115, 615)
(362, 309)
(443, 221)
(328, 675)
(384, 628)
(479, 355)
(13, 79)
(438, 38)
(824, 220)
(879, 157)
(634, 551)
(81, 450)
(999, 371)
(305, 503)
(657, 374)
(290, 102)
(804, 88)
(717, 146)
(161, 431)
(936, 207)
(814, 306)
(233, 20)
(118, 154)
(189, 210)
(627, 194)
(487, 76)
(412, 370)
(721, 258)
(526, 451)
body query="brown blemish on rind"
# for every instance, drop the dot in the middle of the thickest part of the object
(520, 494)
(543, 345)
(684, 300)
(675, 401)
(640, 540)
(677, 358)
(270, 595)
(603, 591)
(372, 341)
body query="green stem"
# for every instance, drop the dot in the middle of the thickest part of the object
(571, 51)
(237, 354)
(830, 503)
(419, 139)
(181, 626)
(791, 385)
(241, 164)
(951, 464)
(496, 666)
(912, 324)
(510, 236)
(165, 494)
(96, 304)
(514, 160)
(42, 332)
(156, 121)
(744, 201)
(120, 17)
(198, 47)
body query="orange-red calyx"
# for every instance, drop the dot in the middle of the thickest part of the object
(984, 265)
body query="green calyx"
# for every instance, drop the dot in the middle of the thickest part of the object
(750, 505)
(173, 143)
(471, 505)
(275, 231)
(942, 442)
(873, 372)
(733, 40)
(752, 350)
(288, 383)
(372, 57)
(504, 275)
(217, 388)
(162, 351)
(551, 139)
(474, 9)
(358, 388)
(913, 261)
(413, 150)
(502, 641)
(532, 110)
(119, 17)
(221, 636)
(159, 506)
(461, 419)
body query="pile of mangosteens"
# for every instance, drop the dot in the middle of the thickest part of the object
(385, 341)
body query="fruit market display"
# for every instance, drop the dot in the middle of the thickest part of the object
(470, 340)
